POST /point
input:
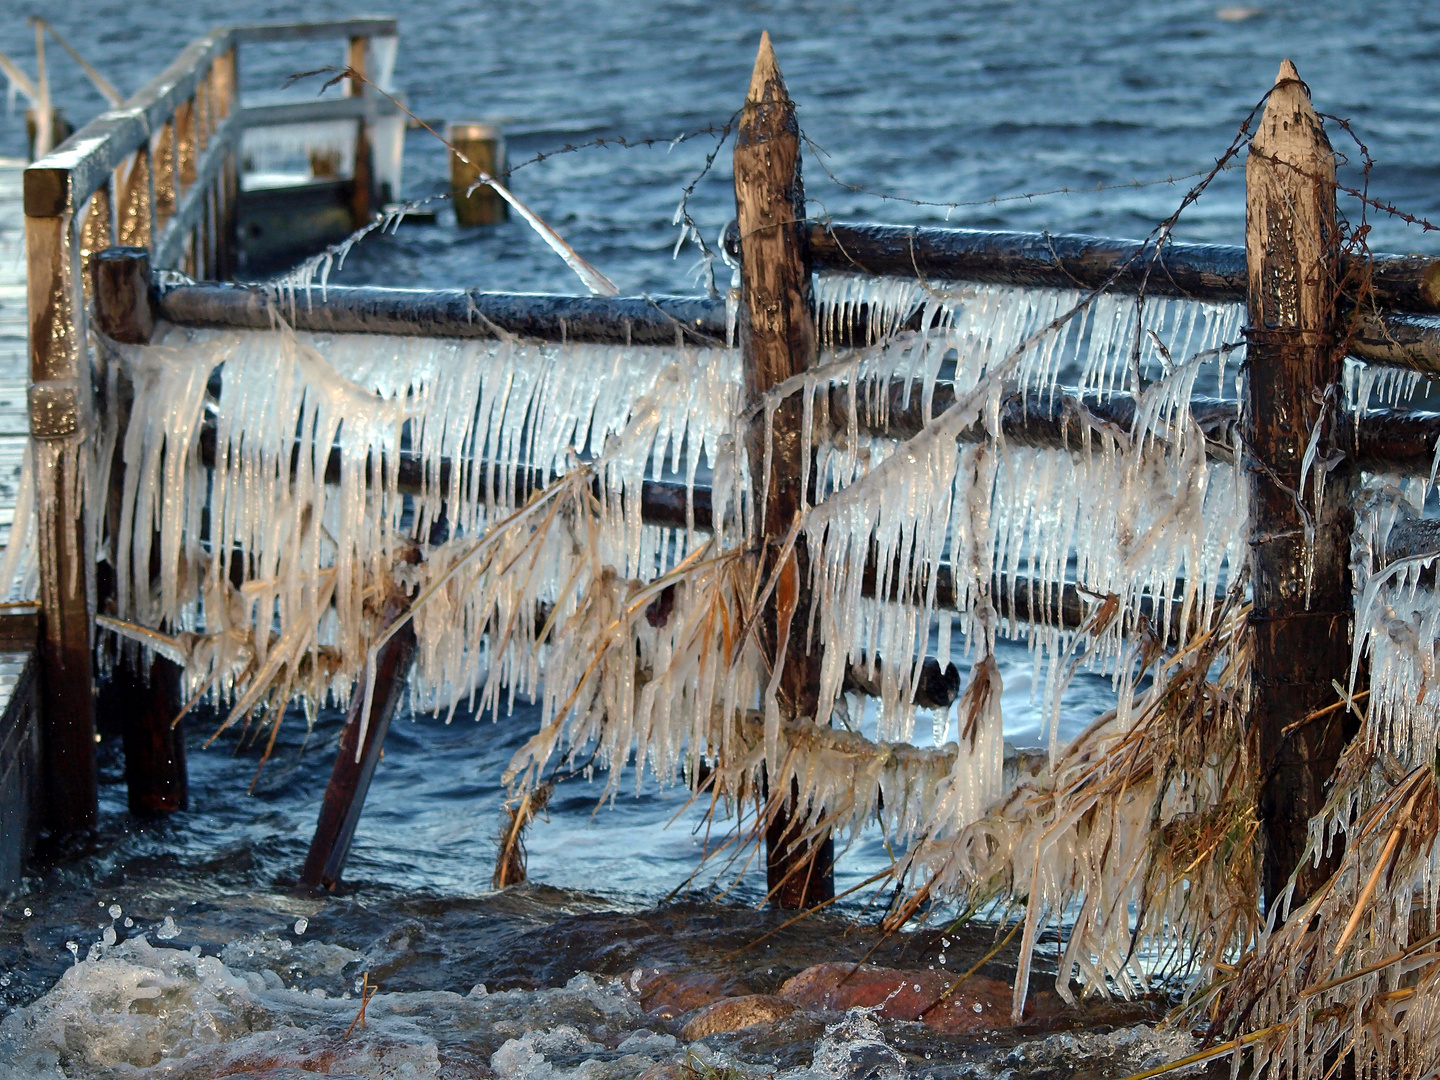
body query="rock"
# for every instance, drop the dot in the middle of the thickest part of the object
(977, 1003)
(732, 1014)
(671, 993)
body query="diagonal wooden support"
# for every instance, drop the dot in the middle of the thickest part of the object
(1300, 546)
(778, 340)
(350, 778)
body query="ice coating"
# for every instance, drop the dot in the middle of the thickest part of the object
(518, 534)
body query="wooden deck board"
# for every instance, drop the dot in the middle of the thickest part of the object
(14, 327)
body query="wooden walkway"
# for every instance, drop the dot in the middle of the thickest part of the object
(14, 361)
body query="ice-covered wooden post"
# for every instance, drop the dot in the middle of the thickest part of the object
(777, 336)
(1299, 557)
(62, 421)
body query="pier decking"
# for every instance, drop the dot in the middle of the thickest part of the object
(14, 362)
(19, 730)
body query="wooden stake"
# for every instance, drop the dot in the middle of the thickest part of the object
(364, 178)
(350, 779)
(778, 339)
(155, 773)
(1299, 558)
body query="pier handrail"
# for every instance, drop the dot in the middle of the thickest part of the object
(159, 172)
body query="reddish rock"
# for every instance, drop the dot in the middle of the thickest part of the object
(977, 1003)
(671, 993)
(732, 1014)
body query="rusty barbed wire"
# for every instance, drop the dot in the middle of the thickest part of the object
(994, 200)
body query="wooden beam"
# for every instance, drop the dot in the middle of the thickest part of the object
(350, 778)
(778, 340)
(1299, 557)
(121, 289)
(146, 704)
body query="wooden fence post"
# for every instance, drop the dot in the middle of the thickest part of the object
(1299, 557)
(778, 339)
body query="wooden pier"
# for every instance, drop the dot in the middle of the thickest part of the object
(177, 137)
(20, 750)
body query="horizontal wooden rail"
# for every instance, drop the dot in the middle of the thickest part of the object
(1205, 271)
(365, 26)
(316, 111)
(1409, 341)
(1200, 271)
(462, 313)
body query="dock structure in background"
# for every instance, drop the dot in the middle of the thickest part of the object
(778, 340)
(160, 172)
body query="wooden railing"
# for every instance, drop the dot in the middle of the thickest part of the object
(1281, 401)
(159, 173)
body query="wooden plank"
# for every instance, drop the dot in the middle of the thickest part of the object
(309, 31)
(778, 339)
(20, 770)
(364, 175)
(1301, 588)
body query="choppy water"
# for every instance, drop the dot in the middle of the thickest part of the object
(940, 101)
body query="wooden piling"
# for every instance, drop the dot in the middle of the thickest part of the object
(146, 703)
(778, 340)
(360, 199)
(350, 779)
(1301, 584)
(61, 425)
(484, 145)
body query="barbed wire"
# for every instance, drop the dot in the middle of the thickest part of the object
(821, 154)
(623, 143)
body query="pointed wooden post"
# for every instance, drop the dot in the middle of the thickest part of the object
(778, 339)
(1302, 601)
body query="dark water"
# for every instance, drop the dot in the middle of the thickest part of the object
(947, 102)
(952, 102)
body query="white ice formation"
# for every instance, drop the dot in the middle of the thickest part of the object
(517, 527)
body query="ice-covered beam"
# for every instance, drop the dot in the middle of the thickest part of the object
(450, 313)
(1202, 271)
(1061, 261)
(662, 502)
(1400, 340)
(1047, 419)
(1408, 539)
